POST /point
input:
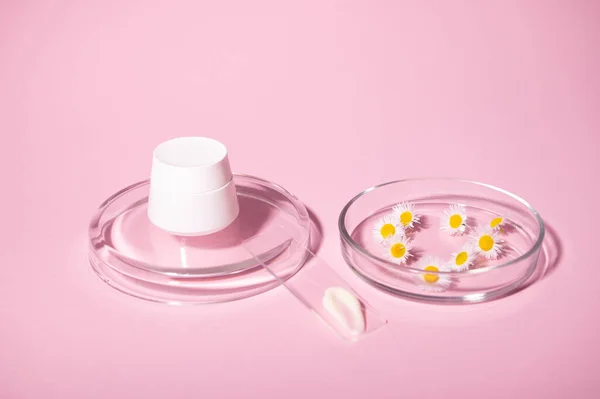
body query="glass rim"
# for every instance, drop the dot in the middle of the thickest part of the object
(346, 237)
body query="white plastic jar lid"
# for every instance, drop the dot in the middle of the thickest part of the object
(190, 164)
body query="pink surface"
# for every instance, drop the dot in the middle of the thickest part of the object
(326, 98)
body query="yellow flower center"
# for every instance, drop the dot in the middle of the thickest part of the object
(406, 218)
(486, 242)
(431, 278)
(398, 250)
(495, 222)
(387, 230)
(455, 221)
(461, 258)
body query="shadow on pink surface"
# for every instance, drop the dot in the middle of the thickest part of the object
(316, 231)
(549, 259)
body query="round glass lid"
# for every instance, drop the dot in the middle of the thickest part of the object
(132, 255)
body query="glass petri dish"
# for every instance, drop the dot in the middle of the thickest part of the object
(522, 237)
(134, 256)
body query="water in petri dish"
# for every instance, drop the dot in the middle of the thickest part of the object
(427, 239)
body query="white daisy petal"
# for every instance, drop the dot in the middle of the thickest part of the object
(405, 214)
(463, 259)
(397, 249)
(497, 222)
(430, 280)
(386, 227)
(454, 220)
(486, 242)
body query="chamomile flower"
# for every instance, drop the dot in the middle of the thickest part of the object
(497, 223)
(386, 227)
(405, 214)
(454, 220)
(397, 249)
(429, 279)
(487, 243)
(463, 259)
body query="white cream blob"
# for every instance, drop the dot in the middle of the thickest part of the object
(345, 308)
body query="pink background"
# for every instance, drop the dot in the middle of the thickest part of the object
(325, 98)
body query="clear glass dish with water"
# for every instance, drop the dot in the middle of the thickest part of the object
(523, 236)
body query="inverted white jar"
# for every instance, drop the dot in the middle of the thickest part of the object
(191, 188)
